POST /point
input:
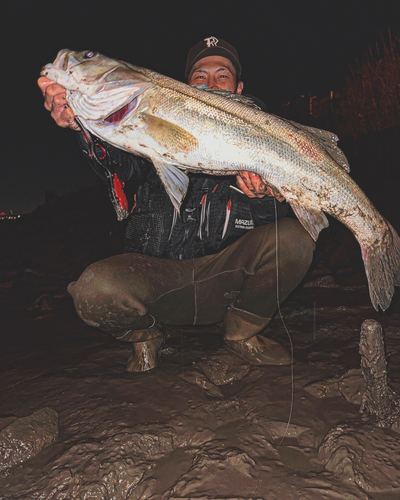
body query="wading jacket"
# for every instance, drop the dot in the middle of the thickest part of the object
(213, 215)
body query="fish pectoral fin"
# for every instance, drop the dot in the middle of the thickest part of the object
(312, 220)
(173, 138)
(174, 181)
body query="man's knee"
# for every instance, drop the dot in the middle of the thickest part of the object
(294, 249)
(295, 242)
(102, 291)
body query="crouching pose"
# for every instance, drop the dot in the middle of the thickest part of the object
(214, 262)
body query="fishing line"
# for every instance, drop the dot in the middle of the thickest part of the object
(288, 334)
(283, 323)
(181, 351)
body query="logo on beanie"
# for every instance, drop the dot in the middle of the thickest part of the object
(212, 41)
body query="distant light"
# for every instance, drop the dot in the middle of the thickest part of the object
(10, 216)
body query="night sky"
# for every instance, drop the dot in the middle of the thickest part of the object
(287, 48)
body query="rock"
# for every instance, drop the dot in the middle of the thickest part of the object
(277, 431)
(26, 437)
(368, 456)
(223, 368)
(324, 282)
(43, 303)
(197, 378)
(327, 388)
(234, 468)
(351, 386)
(4, 421)
(378, 399)
(214, 371)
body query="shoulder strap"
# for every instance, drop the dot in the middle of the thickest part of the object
(115, 185)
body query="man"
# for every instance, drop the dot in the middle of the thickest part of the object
(214, 262)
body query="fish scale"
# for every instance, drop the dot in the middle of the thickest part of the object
(184, 129)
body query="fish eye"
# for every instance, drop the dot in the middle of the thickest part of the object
(89, 54)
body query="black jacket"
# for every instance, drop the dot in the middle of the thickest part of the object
(213, 215)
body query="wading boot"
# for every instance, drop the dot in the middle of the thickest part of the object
(240, 331)
(146, 347)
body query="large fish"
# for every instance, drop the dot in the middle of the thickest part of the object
(183, 129)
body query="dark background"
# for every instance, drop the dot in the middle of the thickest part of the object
(287, 48)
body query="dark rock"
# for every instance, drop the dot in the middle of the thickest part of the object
(378, 399)
(324, 282)
(4, 421)
(367, 456)
(26, 437)
(44, 303)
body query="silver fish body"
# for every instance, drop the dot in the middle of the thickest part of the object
(183, 129)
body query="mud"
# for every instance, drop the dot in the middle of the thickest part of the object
(23, 438)
(205, 424)
(378, 399)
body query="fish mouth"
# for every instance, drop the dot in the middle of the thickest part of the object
(120, 114)
(63, 64)
(65, 60)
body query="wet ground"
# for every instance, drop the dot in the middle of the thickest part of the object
(205, 424)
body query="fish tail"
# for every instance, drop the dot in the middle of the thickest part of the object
(382, 266)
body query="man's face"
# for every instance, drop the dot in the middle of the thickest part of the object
(217, 72)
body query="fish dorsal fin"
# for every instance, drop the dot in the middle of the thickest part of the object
(172, 137)
(327, 140)
(248, 101)
(174, 181)
(312, 220)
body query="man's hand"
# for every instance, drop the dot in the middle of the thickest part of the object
(253, 186)
(55, 101)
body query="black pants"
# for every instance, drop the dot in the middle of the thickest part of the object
(128, 291)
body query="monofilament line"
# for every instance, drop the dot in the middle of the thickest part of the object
(283, 323)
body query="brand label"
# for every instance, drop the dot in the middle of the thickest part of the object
(212, 41)
(244, 224)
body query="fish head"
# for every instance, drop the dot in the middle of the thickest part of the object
(98, 88)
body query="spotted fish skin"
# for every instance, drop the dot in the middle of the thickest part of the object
(184, 129)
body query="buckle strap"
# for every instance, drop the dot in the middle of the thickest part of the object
(115, 185)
